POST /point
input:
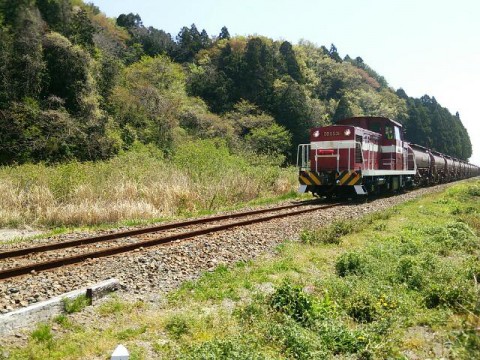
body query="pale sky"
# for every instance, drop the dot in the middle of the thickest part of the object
(423, 46)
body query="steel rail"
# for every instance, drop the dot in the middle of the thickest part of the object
(48, 265)
(122, 234)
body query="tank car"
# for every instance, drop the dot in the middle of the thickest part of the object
(364, 155)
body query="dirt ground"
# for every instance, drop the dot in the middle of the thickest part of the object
(10, 234)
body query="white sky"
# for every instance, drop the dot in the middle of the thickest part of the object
(423, 46)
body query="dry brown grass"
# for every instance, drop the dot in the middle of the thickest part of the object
(135, 186)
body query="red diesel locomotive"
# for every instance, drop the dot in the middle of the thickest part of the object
(364, 155)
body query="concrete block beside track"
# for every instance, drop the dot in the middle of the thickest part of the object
(26, 317)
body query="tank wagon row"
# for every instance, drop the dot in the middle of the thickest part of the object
(364, 155)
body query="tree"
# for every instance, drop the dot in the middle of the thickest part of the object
(212, 86)
(224, 34)
(205, 40)
(148, 108)
(190, 42)
(271, 140)
(69, 75)
(292, 111)
(155, 42)
(333, 53)
(343, 110)
(259, 73)
(6, 43)
(292, 67)
(81, 30)
(57, 14)
(129, 21)
(11, 10)
(27, 65)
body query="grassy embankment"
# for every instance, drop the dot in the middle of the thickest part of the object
(400, 282)
(138, 186)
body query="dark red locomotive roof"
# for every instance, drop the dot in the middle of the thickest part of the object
(365, 121)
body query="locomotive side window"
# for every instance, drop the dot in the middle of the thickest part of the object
(397, 133)
(375, 127)
(388, 132)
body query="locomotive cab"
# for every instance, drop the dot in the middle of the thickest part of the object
(393, 154)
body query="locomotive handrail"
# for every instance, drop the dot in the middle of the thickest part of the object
(304, 153)
(303, 156)
(360, 146)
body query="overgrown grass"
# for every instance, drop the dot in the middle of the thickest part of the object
(138, 186)
(400, 284)
(75, 305)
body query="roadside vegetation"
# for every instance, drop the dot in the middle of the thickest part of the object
(140, 185)
(397, 284)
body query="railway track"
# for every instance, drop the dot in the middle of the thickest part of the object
(156, 235)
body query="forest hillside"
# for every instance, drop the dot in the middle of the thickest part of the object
(76, 85)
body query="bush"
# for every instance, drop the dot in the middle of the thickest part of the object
(351, 263)
(130, 333)
(232, 349)
(329, 235)
(361, 307)
(473, 190)
(43, 333)
(292, 301)
(338, 339)
(410, 272)
(457, 235)
(177, 326)
(457, 297)
(297, 342)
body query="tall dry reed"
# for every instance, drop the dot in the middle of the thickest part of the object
(139, 185)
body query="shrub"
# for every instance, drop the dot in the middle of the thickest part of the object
(361, 307)
(350, 263)
(330, 235)
(453, 236)
(457, 297)
(232, 349)
(294, 302)
(130, 333)
(410, 272)
(43, 333)
(249, 313)
(297, 342)
(473, 190)
(338, 339)
(177, 326)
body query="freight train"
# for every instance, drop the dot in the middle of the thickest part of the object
(368, 155)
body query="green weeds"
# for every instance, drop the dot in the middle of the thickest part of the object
(351, 263)
(177, 326)
(331, 234)
(292, 301)
(42, 333)
(76, 304)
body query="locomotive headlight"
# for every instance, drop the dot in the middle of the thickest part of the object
(316, 134)
(347, 132)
